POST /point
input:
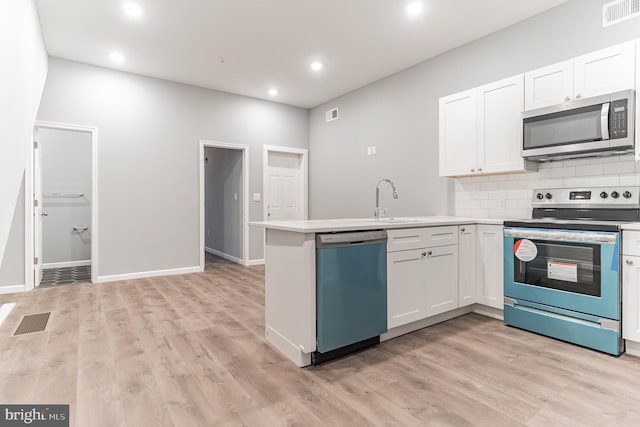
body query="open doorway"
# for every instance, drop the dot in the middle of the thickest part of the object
(64, 195)
(223, 201)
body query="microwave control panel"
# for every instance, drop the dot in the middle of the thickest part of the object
(618, 119)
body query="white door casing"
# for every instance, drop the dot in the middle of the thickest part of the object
(244, 199)
(33, 214)
(37, 209)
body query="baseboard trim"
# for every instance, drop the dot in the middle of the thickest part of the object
(255, 262)
(632, 348)
(147, 274)
(66, 264)
(223, 255)
(485, 310)
(12, 289)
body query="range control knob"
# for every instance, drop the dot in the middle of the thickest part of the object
(615, 194)
(539, 196)
(604, 195)
(548, 196)
(626, 194)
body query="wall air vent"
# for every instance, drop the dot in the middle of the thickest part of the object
(619, 10)
(333, 114)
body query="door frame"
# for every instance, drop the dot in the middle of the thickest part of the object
(245, 197)
(303, 177)
(29, 208)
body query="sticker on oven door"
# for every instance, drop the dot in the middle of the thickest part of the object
(562, 271)
(525, 250)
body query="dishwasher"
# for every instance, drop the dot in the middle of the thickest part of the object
(351, 292)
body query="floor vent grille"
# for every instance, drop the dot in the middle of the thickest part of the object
(33, 323)
(619, 10)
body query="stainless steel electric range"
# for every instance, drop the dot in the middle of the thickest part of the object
(562, 267)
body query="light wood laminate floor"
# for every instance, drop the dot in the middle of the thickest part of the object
(189, 350)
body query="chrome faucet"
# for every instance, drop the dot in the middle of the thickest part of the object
(376, 213)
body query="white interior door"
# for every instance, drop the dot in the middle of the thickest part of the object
(37, 209)
(284, 198)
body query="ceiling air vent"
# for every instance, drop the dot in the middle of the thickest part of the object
(619, 10)
(333, 114)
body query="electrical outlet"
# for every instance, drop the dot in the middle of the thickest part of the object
(502, 204)
(256, 197)
(369, 151)
(373, 150)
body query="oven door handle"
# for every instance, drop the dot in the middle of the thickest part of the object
(562, 235)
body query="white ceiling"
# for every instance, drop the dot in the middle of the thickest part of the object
(271, 43)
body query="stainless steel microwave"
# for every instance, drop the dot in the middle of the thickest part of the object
(587, 127)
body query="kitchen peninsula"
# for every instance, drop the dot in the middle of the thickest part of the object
(448, 271)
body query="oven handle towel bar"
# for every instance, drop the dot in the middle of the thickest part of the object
(563, 235)
(616, 250)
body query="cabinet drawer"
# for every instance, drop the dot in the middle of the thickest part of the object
(441, 236)
(631, 242)
(404, 239)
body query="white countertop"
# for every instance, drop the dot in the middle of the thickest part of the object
(631, 226)
(346, 224)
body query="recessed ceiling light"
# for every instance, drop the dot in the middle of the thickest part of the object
(133, 10)
(415, 8)
(273, 92)
(316, 66)
(117, 57)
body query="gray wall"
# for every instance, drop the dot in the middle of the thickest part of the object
(23, 69)
(66, 168)
(148, 142)
(223, 201)
(399, 114)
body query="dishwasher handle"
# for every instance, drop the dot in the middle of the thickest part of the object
(333, 240)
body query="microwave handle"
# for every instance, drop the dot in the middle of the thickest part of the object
(604, 121)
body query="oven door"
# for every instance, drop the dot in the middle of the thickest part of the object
(565, 269)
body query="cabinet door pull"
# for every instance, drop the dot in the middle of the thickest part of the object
(630, 261)
(567, 99)
(462, 229)
(424, 254)
(429, 253)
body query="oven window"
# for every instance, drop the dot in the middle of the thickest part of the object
(567, 266)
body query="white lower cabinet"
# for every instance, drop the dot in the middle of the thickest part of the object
(631, 285)
(630, 298)
(405, 288)
(460, 266)
(490, 266)
(422, 282)
(441, 269)
(466, 265)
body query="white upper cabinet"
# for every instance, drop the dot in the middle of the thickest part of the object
(549, 85)
(480, 130)
(457, 128)
(500, 105)
(596, 73)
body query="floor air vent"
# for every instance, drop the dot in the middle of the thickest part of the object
(619, 10)
(33, 323)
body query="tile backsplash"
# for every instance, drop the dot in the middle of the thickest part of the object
(509, 195)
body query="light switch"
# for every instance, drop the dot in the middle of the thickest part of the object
(369, 151)
(373, 150)
(256, 197)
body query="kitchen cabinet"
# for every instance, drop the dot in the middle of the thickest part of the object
(596, 73)
(421, 281)
(458, 134)
(480, 130)
(631, 285)
(490, 266)
(466, 265)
